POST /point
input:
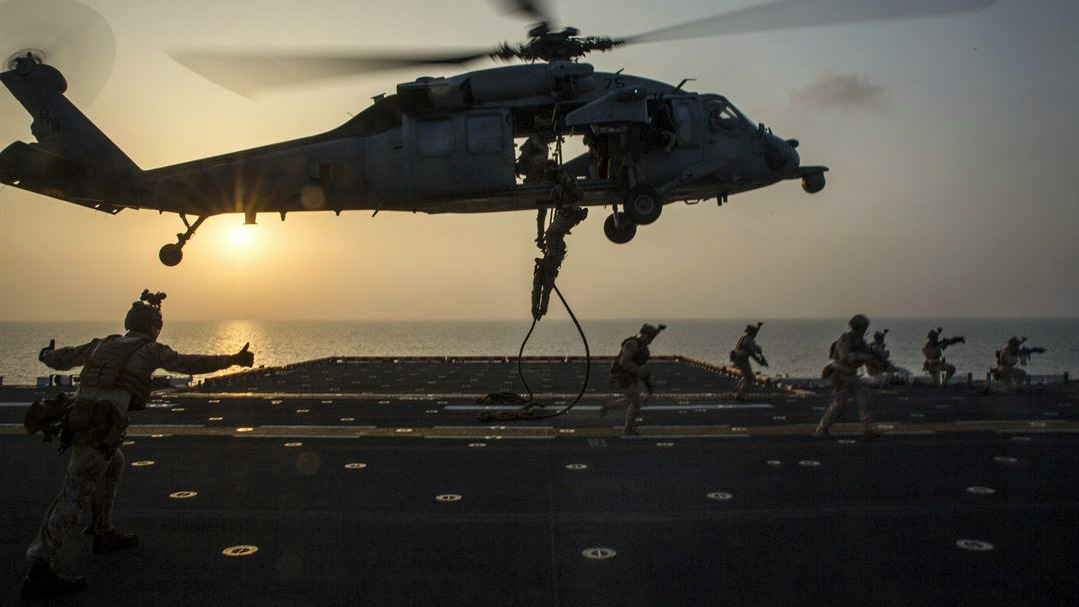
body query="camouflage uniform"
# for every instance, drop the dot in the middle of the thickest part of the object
(744, 350)
(880, 369)
(115, 379)
(849, 352)
(1009, 359)
(553, 245)
(935, 364)
(629, 371)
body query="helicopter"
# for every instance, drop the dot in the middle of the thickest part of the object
(447, 144)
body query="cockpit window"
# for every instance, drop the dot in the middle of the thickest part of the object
(723, 118)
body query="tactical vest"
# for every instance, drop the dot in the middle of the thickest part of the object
(640, 358)
(107, 368)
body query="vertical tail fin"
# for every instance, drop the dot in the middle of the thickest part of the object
(72, 159)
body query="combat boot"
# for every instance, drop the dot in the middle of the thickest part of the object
(113, 540)
(44, 581)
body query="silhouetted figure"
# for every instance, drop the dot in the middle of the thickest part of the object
(630, 372)
(743, 351)
(935, 364)
(115, 379)
(848, 353)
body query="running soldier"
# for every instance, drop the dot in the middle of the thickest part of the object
(115, 379)
(743, 351)
(630, 371)
(848, 353)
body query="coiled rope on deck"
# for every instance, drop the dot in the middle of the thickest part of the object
(527, 411)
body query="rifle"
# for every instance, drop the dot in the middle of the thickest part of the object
(1025, 352)
(950, 341)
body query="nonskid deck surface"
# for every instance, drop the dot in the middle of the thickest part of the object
(354, 493)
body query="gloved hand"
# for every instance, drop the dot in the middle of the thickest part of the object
(46, 350)
(244, 358)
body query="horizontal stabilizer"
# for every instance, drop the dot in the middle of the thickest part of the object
(29, 167)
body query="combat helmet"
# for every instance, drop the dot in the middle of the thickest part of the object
(145, 314)
(859, 323)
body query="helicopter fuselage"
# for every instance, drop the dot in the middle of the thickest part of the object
(439, 145)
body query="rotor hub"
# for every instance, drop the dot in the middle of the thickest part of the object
(33, 54)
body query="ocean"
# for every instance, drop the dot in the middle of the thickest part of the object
(795, 348)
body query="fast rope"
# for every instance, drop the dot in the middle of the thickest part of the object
(528, 410)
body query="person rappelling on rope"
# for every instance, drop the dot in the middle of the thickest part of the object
(630, 371)
(552, 242)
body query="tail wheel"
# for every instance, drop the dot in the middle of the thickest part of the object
(643, 204)
(619, 228)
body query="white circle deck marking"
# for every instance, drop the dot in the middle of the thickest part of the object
(477, 445)
(774, 462)
(722, 496)
(403, 430)
(326, 402)
(1037, 424)
(348, 419)
(1004, 459)
(183, 495)
(157, 435)
(809, 463)
(566, 430)
(355, 466)
(739, 429)
(576, 466)
(917, 414)
(217, 419)
(244, 429)
(779, 417)
(128, 443)
(142, 464)
(448, 497)
(974, 545)
(886, 426)
(241, 550)
(598, 554)
(276, 402)
(981, 490)
(294, 444)
(303, 410)
(432, 410)
(177, 410)
(664, 444)
(1021, 438)
(846, 441)
(213, 401)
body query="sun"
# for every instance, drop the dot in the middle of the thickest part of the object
(241, 235)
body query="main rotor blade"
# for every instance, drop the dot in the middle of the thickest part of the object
(248, 73)
(533, 9)
(783, 14)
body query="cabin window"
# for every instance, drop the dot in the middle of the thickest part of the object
(434, 137)
(485, 134)
(683, 118)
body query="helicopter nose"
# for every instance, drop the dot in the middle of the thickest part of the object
(780, 155)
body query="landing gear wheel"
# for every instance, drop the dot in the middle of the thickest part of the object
(620, 229)
(170, 254)
(643, 204)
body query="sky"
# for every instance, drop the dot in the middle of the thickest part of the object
(952, 143)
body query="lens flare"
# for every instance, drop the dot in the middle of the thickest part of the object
(242, 235)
